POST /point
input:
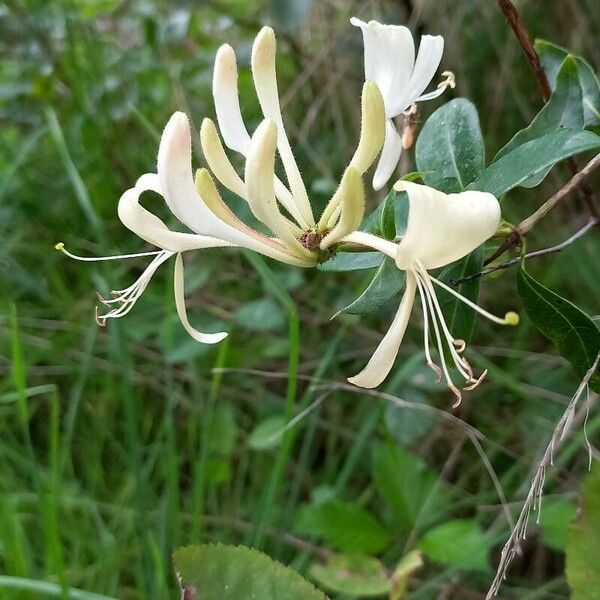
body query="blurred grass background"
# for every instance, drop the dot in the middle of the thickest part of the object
(119, 444)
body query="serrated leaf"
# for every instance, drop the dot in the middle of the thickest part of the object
(220, 572)
(459, 543)
(564, 109)
(352, 261)
(345, 526)
(575, 335)
(532, 158)
(450, 152)
(552, 57)
(459, 317)
(267, 434)
(407, 485)
(583, 542)
(385, 286)
(353, 575)
(555, 516)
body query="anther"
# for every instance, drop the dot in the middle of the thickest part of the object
(449, 81)
(460, 345)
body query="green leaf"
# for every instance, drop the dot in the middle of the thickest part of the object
(407, 485)
(450, 152)
(575, 335)
(385, 286)
(554, 520)
(405, 426)
(459, 317)
(345, 526)
(220, 572)
(583, 543)
(532, 158)
(267, 434)
(353, 575)
(352, 261)
(459, 543)
(564, 109)
(552, 57)
(260, 315)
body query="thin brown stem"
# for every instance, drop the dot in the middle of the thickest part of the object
(537, 253)
(517, 25)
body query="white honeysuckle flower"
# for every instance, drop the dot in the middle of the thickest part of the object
(390, 62)
(441, 229)
(198, 205)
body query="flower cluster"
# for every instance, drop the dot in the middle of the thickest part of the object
(441, 228)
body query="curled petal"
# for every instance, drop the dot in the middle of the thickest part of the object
(352, 203)
(178, 286)
(442, 227)
(265, 82)
(152, 229)
(227, 103)
(390, 156)
(372, 128)
(384, 356)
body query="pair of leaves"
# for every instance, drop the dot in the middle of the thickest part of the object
(575, 335)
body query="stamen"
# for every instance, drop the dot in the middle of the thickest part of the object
(476, 382)
(440, 346)
(61, 248)
(460, 345)
(430, 362)
(448, 82)
(510, 318)
(461, 363)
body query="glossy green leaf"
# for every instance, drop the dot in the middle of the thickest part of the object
(555, 517)
(583, 542)
(353, 575)
(564, 109)
(384, 287)
(459, 543)
(220, 572)
(459, 317)
(450, 152)
(575, 335)
(408, 486)
(532, 158)
(389, 219)
(345, 526)
(552, 57)
(352, 261)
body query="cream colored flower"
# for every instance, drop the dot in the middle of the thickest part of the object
(390, 62)
(441, 229)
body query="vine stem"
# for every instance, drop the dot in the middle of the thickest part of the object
(273, 285)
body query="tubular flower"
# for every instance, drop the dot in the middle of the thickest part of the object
(197, 204)
(390, 62)
(441, 229)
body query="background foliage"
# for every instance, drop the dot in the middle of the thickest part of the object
(119, 444)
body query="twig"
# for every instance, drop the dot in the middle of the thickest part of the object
(545, 251)
(514, 238)
(534, 496)
(517, 25)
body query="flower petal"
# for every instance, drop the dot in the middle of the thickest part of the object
(389, 58)
(442, 227)
(265, 82)
(259, 174)
(390, 156)
(227, 102)
(178, 287)
(384, 356)
(152, 229)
